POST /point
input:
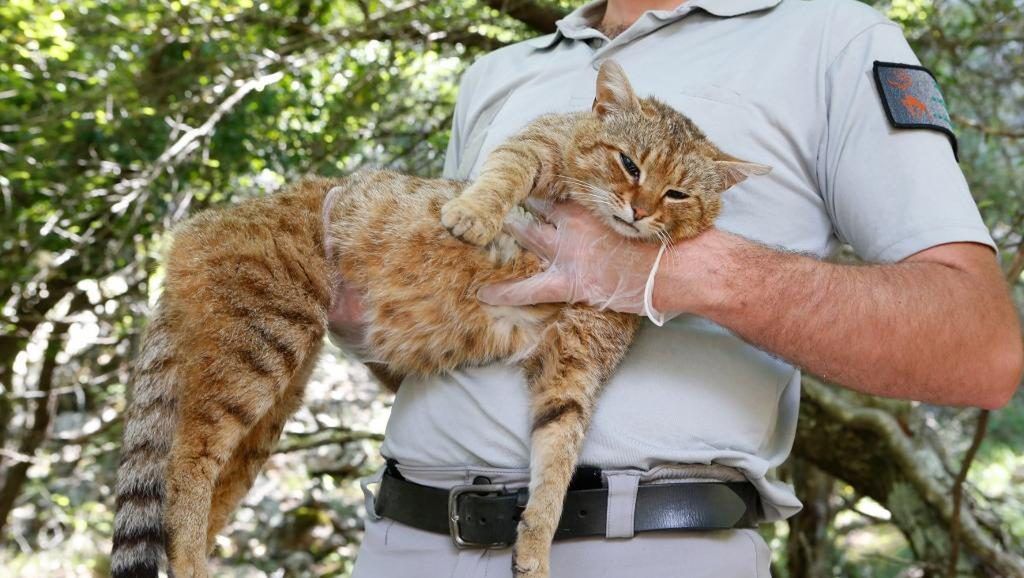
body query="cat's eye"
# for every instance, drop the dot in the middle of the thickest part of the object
(677, 195)
(630, 166)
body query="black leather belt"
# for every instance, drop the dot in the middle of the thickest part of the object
(484, 515)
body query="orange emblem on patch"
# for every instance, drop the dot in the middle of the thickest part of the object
(915, 107)
(902, 81)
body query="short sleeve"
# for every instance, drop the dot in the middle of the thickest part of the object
(453, 158)
(890, 192)
(453, 155)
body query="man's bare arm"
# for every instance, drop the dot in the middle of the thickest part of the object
(939, 326)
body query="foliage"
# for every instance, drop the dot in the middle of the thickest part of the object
(119, 118)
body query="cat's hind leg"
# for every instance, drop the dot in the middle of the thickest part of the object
(577, 354)
(238, 475)
(236, 381)
(208, 432)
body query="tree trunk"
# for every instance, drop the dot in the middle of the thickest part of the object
(541, 17)
(17, 473)
(807, 550)
(878, 453)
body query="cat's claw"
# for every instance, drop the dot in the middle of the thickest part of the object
(528, 568)
(467, 222)
(530, 556)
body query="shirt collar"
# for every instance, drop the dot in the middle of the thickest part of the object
(579, 24)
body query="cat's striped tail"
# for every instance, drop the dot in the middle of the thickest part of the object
(139, 533)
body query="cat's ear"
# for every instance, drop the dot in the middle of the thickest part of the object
(614, 93)
(734, 171)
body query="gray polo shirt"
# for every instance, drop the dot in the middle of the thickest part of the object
(786, 83)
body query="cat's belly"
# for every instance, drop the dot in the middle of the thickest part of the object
(420, 283)
(434, 322)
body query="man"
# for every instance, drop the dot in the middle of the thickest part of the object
(862, 154)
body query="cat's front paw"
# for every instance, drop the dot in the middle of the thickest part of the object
(531, 555)
(466, 220)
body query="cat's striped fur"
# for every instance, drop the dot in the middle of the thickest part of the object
(248, 288)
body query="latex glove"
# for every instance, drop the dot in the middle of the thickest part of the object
(587, 263)
(346, 322)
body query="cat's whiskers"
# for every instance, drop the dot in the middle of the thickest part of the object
(569, 179)
(591, 193)
(594, 199)
(591, 188)
(667, 239)
(597, 201)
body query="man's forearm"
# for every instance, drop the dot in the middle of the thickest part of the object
(917, 329)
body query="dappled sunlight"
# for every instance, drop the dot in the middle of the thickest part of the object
(121, 119)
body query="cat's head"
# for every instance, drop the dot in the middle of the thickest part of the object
(645, 168)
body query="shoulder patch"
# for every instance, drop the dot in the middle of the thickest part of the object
(911, 98)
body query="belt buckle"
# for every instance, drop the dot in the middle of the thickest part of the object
(453, 514)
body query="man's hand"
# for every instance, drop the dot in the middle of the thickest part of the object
(938, 327)
(346, 320)
(587, 263)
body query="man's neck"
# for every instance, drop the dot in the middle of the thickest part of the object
(621, 14)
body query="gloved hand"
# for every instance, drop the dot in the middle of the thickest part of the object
(346, 322)
(587, 263)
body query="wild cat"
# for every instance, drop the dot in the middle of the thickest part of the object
(244, 309)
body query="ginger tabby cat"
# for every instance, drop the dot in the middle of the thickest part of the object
(243, 314)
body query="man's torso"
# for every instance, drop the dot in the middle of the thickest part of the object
(752, 76)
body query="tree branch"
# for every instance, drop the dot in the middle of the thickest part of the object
(869, 449)
(187, 143)
(980, 429)
(988, 130)
(538, 16)
(328, 437)
(1013, 273)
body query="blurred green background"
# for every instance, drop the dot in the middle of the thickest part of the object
(120, 118)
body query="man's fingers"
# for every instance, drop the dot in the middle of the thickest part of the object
(538, 238)
(539, 206)
(541, 288)
(555, 213)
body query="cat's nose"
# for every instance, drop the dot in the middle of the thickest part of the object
(639, 213)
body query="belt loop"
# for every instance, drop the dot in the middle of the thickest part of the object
(369, 500)
(391, 467)
(622, 489)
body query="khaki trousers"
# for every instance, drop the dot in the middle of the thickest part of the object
(393, 550)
